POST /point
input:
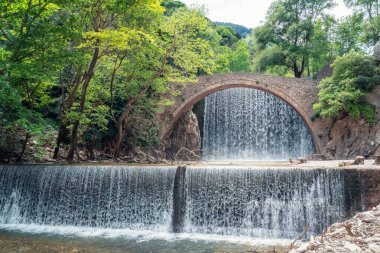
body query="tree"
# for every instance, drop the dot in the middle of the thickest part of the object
(290, 26)
(348, 35)
(172, 6)
(354, 75)
(223, 59)
(108, 32)
(240, 60)
(32, 38)
(180, 50)
(228, 36)
(371, 10)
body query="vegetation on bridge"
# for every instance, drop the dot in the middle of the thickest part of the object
(92, 74)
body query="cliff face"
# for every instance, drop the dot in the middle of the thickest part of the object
(185, 140)
(349, 138)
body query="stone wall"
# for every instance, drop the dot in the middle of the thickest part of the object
(362, 189)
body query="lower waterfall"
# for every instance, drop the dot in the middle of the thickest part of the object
(258, 203)
(134, 198)
(263, 203)
(249, 124)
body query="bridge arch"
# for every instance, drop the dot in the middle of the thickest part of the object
(298, 93)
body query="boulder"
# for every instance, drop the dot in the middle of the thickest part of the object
(358, 160)
(185, 139)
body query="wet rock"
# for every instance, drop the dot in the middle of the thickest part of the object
(317, 157)
(358, 160)
(297, 161)
(343, 164)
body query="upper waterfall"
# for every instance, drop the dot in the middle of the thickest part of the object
(249, 124)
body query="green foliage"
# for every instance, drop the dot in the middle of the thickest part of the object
(223, 59)
(354, 75)
(370, 9)
(294, 28)
(269, 57)
(229, 36)
(349, 34)
(368, 112)
(240, 61)
(172, 6)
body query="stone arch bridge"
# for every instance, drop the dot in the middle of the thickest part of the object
(298, 93)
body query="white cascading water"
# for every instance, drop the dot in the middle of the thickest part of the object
(255, 203)
(249, 124)
(263, 203)
(104, 197)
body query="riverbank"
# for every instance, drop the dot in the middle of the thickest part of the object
(361, 234)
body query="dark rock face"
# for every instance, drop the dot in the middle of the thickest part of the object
(185, 140)
(376, 51)
(349, 138)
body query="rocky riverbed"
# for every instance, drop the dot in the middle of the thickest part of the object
(356, 235)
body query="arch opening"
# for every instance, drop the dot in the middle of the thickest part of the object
(298, 94)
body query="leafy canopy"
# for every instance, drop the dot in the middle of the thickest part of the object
(354, 75)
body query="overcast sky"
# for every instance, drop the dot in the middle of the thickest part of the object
(247, 12)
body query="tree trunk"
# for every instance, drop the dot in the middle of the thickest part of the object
(87, 80)
(27, 137)
(298, 72)
(119, 139)
(74, 141)
(64, 108)
(59, 140)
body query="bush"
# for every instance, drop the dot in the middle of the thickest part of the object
(354, 75)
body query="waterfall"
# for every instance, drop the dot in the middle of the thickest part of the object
(107, 197)
(260, 203)
(263, 203)
(249, 124)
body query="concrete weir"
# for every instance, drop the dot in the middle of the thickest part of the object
(270, 201)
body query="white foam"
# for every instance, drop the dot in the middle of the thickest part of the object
(138, 235)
